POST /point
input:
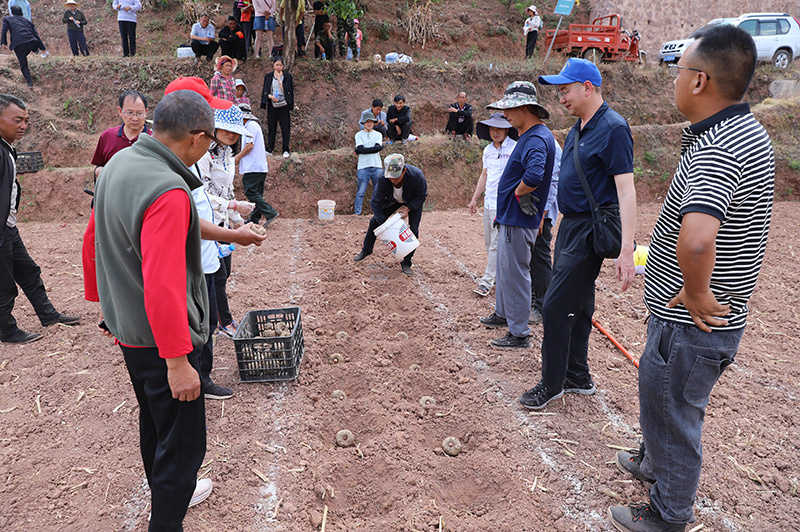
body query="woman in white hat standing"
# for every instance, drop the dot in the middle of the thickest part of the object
(531, 30)
(75, 21)
(503, 137)
(217, 169)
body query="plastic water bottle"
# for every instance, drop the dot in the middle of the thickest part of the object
(225, 250)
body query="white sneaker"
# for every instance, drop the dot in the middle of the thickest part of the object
(201, 491)
(286, 155)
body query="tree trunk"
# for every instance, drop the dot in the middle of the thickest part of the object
(289, 34)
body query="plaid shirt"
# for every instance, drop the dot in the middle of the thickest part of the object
(222, 87)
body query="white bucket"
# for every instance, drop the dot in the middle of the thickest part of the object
(326, 209)
(397, 236)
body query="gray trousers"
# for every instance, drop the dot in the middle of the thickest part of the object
(490, 241)
(513, 292)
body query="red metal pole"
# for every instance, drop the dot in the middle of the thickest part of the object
(617, 344)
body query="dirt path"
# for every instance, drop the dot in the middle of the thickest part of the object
(68, 419)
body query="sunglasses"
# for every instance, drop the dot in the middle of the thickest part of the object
(673, 70)
(211, 136)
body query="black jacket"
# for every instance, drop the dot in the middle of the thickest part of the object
(7, 178)
(402, 116)
(22, 32)
(288, 90)
(226, 33)
(78, 16)
(415, 191)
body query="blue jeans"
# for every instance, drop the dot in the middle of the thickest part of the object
(365, 175)
(679, 367)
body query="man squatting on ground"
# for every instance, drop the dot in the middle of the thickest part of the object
(459, 119)
(404, 190)
(705, 256)
(398, 118)
(155, 299)
(524, 184)
(606, 156)
(16, 266)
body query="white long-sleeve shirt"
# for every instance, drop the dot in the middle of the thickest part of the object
(217, 172)
(533, 23)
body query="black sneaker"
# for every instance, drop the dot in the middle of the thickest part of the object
(269, 221)
(21, 337)
(494, 321)
(509, 341)
(586, 387)
(641, 518)
(537, 397)
(361, 256)
(215, 391)
(631, 462)
(62, 318)
(406, 269)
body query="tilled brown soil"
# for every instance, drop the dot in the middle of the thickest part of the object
(68, 417)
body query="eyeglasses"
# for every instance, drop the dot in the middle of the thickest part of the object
(673, 70)
(563, 93)
(130, 114)
(206, 133)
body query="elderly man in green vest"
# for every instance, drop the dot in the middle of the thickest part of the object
(154, 298)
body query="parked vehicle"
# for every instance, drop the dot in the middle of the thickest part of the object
(602, 40)
(777, 37)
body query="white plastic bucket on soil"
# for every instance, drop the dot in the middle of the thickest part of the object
(326, 209)
(397, 236)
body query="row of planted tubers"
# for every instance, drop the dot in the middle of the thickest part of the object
(344, 438)
(450, 445)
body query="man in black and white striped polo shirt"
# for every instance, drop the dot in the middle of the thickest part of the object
(706, 252)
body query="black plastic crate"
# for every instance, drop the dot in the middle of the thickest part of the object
(29, 161)
(263, 358)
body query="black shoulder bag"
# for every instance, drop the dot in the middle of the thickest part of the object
(606, 223)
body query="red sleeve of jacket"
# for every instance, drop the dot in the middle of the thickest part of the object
(164, 229)
(89, 264)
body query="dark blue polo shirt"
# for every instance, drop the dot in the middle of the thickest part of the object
(532, 162)
(606, 150)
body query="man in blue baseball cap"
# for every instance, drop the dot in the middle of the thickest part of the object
(606, 158)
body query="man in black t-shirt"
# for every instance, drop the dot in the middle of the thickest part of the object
(320, 18)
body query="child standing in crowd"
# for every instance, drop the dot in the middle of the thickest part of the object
(241, 93)
(75, 21)
(359, 37)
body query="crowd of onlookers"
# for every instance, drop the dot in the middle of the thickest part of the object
(250, 32)
(157, 249)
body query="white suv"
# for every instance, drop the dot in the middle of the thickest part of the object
(777, 37)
